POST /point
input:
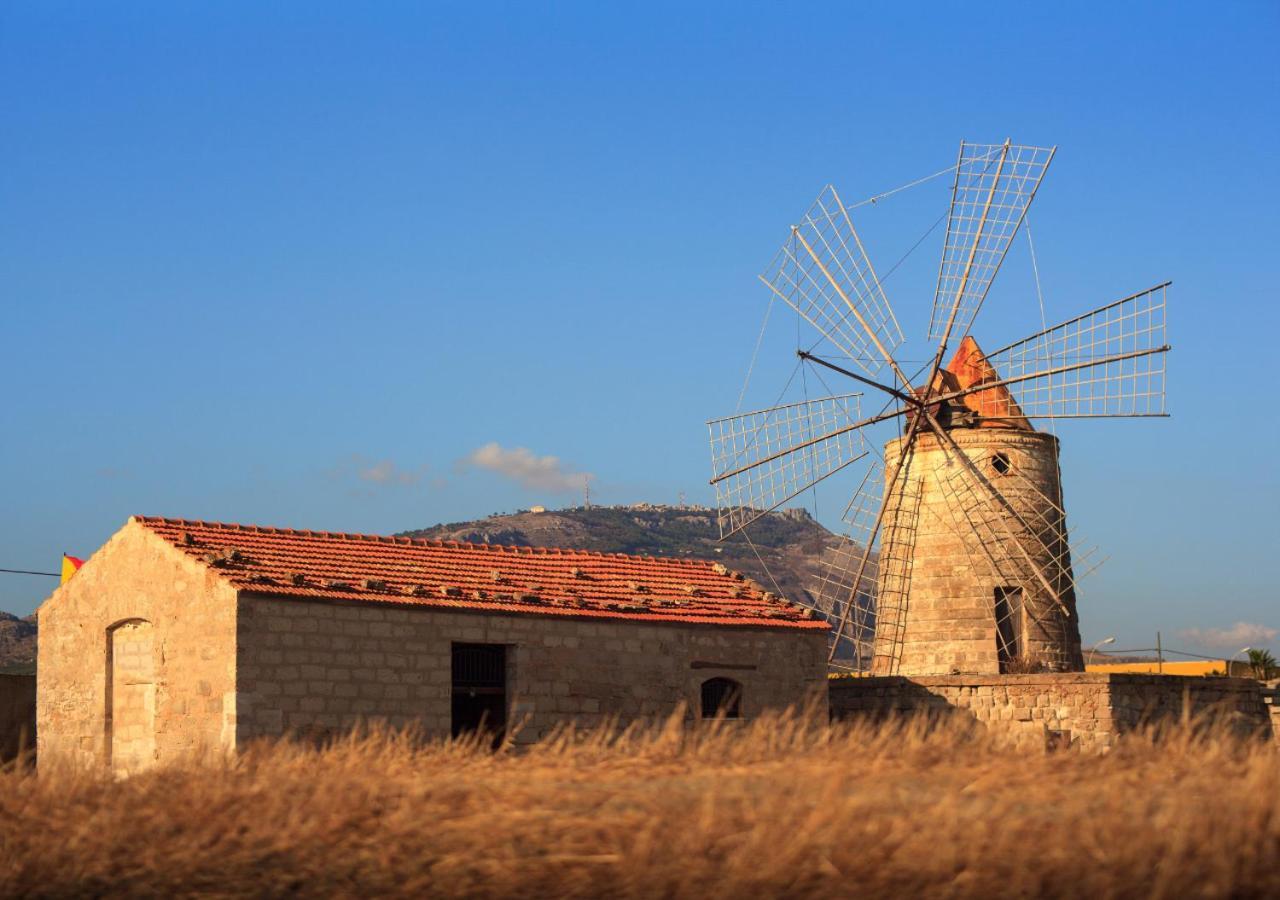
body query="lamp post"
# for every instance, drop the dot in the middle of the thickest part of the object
(1234, 655)
(1093, 651)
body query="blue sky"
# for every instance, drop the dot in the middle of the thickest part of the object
(291, 265)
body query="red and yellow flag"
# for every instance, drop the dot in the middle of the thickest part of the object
(70, 565)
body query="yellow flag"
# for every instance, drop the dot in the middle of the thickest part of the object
(70, 565)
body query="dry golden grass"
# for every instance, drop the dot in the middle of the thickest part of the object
(776, 808)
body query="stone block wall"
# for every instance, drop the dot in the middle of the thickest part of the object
(937, 614)
(324, 666)
(1082, 710)
(17, 714)
(143, 632)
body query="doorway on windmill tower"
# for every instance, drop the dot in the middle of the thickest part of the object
(480, 690)
(1009, 625)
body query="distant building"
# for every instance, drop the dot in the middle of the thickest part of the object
(178, 635)
(1235, 668)
(537, 509)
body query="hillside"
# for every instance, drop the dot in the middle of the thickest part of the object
(17, 642)
(790, 543)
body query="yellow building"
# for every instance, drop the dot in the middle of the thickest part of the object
(1238, 668)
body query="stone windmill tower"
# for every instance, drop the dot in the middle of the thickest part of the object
(957, 556)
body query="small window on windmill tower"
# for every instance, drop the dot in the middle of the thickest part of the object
(721, 697)
(1001, 464)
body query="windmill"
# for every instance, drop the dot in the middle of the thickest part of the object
(956, 558)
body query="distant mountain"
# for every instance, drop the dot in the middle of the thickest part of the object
(784, 552)
(17, 643)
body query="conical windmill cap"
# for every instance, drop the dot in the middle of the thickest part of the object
(995, 406)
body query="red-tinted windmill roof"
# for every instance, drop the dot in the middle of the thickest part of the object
(995, 406)
(326, 565)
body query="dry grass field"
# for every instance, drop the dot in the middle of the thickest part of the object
(777, 808)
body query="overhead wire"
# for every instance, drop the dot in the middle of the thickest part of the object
(872, 200)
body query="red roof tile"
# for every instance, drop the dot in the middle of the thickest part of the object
(284, 562)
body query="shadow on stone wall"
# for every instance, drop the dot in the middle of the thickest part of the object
(1056, 711)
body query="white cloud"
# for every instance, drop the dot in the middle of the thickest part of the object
(387, 472)
(1241, 634)
(540, 473)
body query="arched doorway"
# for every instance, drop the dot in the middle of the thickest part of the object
(131, 696)
(721, 697)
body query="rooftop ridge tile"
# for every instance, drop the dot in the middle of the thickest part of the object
(416, 541)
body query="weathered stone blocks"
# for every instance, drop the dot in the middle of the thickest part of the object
(947, 623)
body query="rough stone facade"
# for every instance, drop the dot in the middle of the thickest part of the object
(136, 661)
(149, 655)
(951, 579)
(1079, 710)
(326, 666)
(17, 714)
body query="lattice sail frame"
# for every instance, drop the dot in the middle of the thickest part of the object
(994, 186)
(823, 273)
(849, 571)
(1106, 363)
(764, 458)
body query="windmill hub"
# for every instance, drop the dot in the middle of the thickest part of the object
(981, 407)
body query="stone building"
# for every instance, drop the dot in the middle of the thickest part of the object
(971, 582)
(178, 636)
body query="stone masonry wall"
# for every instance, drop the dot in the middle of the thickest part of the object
(308, 666)
(1073, 709)
(183, 692)
(945, 621)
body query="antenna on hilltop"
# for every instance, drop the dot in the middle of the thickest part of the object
(682, 499)
(586, 491)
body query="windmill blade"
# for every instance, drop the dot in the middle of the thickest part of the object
(822, 272)
(994, 185)
(1106, 363)
(762, 459)
(893, 586)
(846, 582)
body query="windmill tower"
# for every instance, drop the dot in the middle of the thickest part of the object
(957, 557)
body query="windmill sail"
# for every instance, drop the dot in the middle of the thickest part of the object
(762, 459)
(1106, 363)
(897, 562)
(994, 185)
(822, 272)
(846, 583)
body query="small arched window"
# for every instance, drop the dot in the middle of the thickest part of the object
(721, 697)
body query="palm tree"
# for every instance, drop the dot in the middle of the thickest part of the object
(1263, 664)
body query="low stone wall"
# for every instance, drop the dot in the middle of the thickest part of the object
(1271, 697)
(1084, 710)
(17, 714)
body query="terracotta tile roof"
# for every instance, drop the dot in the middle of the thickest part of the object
(284, 562)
